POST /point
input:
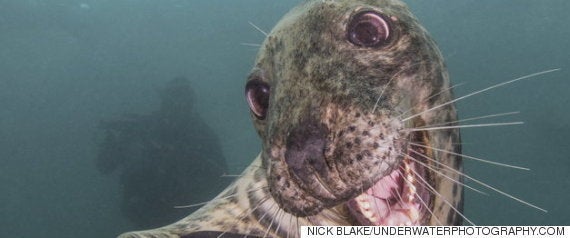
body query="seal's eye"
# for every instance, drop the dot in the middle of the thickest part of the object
(257, 95)
(368, 29)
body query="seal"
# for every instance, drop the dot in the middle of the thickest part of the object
(340, 93)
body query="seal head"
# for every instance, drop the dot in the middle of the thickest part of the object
(329, 95)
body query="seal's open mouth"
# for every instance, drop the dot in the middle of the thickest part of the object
(401, 198)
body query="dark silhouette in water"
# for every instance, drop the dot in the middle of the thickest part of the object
(166, 158)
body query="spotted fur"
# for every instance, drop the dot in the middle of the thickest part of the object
(346, 104)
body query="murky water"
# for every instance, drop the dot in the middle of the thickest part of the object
(66, 65)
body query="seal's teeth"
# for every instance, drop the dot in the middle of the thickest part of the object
(365, 205)
(412, 193)
(413, 189)
(368, 214)
(410, 178)
(361, 198)
(414, 214)
(373, 219)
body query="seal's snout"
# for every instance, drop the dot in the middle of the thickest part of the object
(305, 159)
(305, 148)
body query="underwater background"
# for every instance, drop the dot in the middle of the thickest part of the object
(67, 67)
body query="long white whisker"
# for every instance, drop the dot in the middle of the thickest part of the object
(251, 44)
(214, 199)
(246, 228)
(335, 216)
(280, 214)
(297, 224)
(197, 204)
(204, 203)
(471, 157)
(310, 220)
(442, 197)
(432, 96)
(376, 200)
(290, 226)
(486, 185)
(384, 89)
(391, 79)
(472, 119)
(442, 174)
(464, 126)
(248, 212)
(267, 212)
(231, 175)
(481, 91)
(400, 199)
(275, 214)
(263, 216)
(420, 198)
(259, 29)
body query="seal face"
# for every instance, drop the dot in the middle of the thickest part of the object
(342, 76)
(341, 94)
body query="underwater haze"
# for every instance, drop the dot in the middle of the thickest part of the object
(68, 66)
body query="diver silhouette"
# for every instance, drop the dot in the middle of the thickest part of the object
(166, 158)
